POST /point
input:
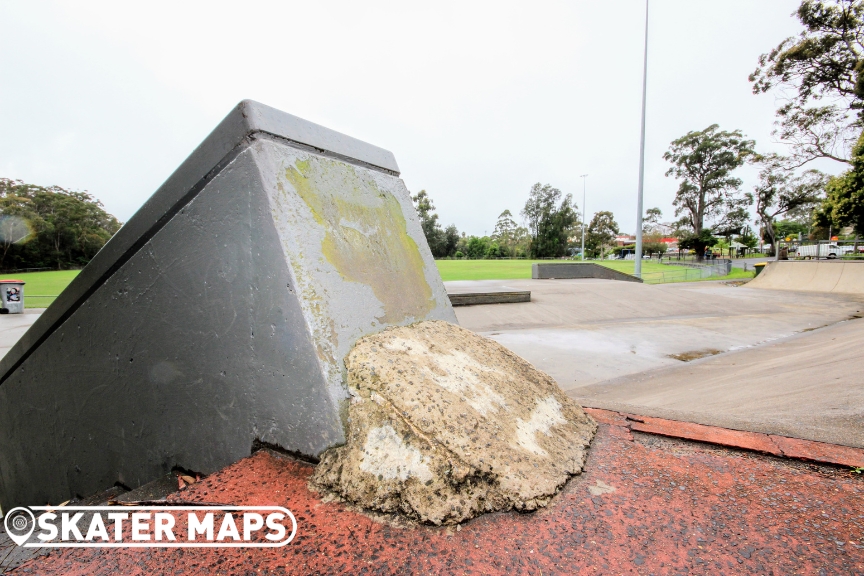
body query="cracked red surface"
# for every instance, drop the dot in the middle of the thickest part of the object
(645, 504)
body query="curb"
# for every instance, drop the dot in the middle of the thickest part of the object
(781, 446)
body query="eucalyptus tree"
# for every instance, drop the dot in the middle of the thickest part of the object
(709, 197)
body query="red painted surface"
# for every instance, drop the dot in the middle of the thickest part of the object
(722, 436)
(769, 444)
(658, 506)
(819, 451)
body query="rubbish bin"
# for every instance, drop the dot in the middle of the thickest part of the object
(11, 296)
(759, 267)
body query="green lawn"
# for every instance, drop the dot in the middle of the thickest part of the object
(652, 272)
(42, 284)
(43, 287)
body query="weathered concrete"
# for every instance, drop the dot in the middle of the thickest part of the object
(622, 346)
(445, 425)
(476, 298)
(218, 315)
(806, 386)
(574, 270)
(831, 276)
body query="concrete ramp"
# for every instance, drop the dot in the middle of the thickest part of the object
(812, 276)
(219, 315)
(576, 270)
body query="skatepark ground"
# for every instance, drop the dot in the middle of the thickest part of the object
(728, 355)
(731, 418)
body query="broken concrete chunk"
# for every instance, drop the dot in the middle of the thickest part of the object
(445, 425)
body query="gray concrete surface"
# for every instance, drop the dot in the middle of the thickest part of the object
(805, 386)
(219, 315)
(577, 270)
(602, 339)
(13, 326)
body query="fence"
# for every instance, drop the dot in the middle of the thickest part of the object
(688, 273)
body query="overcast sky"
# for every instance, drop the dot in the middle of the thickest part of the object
(477, 100)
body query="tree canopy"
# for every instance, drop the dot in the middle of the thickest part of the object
(844, 202)
(551, 217)
(442, 242)
(651, 221)
(709, 196)
(819, 78)
(779, 193)
(50, 227)
(511, 238)
(601, 232)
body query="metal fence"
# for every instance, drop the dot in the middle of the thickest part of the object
(688, 273)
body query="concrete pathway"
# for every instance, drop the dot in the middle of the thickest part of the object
(13, 326)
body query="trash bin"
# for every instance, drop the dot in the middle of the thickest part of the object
(11, 296)
(759, 267)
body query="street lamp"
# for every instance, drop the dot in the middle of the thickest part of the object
(584, 187)
(637, 271)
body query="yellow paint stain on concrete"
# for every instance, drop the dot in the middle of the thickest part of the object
(366, 236)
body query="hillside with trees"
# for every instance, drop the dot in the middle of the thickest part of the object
(50, 227)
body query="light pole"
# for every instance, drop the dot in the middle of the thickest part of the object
(584, 187)
(638, 264)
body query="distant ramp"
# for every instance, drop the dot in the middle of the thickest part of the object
(810, 276)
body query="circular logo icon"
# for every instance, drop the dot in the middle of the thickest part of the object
(19, 523)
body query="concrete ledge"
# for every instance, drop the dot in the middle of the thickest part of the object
(573, 270)
(475, 298)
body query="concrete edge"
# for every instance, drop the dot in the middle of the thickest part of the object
(216, 151)
(477, 298)
(780, 446)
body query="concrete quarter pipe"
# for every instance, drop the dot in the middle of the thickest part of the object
(810, 276)
(219, 315)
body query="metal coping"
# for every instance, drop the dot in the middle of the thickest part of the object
(246, 122)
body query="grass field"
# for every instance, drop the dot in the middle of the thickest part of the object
(43, 287)
(652, 272)
(42, 284)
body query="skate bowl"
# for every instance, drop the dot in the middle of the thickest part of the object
(219, 316)
(809, 276)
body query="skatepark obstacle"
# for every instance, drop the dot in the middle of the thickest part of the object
(812, 276)
(219, 315)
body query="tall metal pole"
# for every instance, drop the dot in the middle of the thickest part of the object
(638, 264)
(584, 186)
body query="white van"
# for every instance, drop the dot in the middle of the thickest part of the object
(825, 251)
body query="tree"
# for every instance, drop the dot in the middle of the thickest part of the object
(778, 193)
(697, 242)
(505, 233)
(825, 63)
(601, 232)
(477, 247)
(550, 220)
(747, 238)
(442, 243)
(651, 221)
(844, 202)
(708, 196)
(451, 240)
(66, 228)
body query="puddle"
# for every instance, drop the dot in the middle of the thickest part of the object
(695, 354)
